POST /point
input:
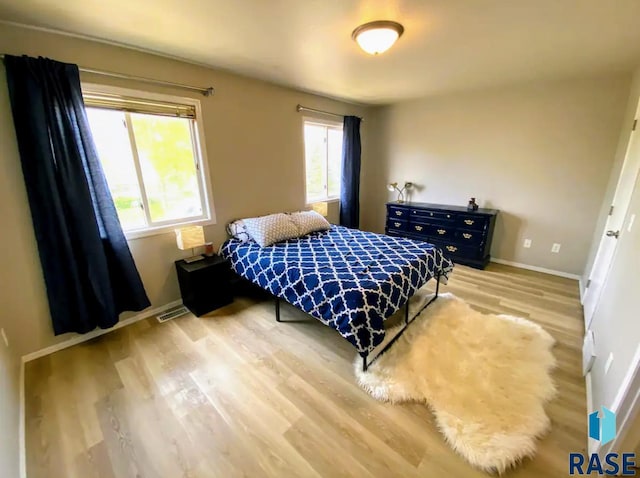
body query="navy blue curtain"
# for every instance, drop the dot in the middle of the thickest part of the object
(88, 269)
(350, 182)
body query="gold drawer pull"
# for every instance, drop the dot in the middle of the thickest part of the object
(469, 221)
(466, 236)
(448, 216)
(397, 224)
(442, 231)
(452, 248)
(418, 228)
(398, 213)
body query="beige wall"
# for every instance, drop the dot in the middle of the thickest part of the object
(540, 153)
(255, 152)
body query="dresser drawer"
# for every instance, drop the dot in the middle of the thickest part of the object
(467, 221)
(455, 250)
(394, 212)
(420, 228)
(431, 216)
(469, 236)
(442, 232)
(397, 224)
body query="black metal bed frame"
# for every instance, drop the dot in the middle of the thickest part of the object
(407, 321)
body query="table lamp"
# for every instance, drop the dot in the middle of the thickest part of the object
(189, 238)
(320, 207)
(394, 187)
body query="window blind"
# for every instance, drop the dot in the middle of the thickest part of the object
(138, 105)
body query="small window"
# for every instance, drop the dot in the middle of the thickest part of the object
(151, 155)
(323, 158)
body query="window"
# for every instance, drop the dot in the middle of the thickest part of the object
(151, 155)
(323, 158)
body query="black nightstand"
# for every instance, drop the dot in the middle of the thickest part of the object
(205, 285)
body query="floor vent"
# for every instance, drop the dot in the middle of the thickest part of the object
(172, 313)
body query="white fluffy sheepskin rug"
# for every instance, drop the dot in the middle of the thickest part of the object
(485, 377)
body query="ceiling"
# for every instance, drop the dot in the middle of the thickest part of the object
(448, 45)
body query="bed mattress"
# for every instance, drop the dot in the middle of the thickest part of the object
(348, 279)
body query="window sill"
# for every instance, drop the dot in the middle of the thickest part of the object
(330, 200)
(156, 231)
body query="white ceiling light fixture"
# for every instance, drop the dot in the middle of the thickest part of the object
(377, 37)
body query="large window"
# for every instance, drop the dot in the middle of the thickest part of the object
(151, 155)
(323, 157)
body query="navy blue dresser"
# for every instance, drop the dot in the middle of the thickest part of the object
(464, 236)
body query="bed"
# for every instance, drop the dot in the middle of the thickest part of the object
(348, 279)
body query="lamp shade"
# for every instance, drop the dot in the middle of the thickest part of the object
(320, 208)
(190, 237)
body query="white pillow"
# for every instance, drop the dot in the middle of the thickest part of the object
(309, 221)
(267, 230)
(238, 230)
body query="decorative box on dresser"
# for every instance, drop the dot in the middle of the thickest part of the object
(464, 236)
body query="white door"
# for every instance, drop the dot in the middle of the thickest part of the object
(609, 239)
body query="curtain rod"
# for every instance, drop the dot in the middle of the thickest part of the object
(300, 108)
(203, 91)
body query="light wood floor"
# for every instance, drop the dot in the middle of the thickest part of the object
(236, 394)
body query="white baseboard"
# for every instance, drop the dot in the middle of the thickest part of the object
(78, 339)
(582, 289)
(536, 268)
(22, 445)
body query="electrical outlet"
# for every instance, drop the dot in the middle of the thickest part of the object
(607, 365)
(527, 243)
(555, 248)
(4, 337)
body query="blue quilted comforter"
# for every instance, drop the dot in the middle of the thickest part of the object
(348, 279)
